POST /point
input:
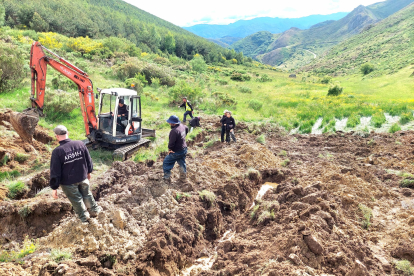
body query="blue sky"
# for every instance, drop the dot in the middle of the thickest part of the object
(189, 12)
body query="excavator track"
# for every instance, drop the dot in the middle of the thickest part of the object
(126, 152)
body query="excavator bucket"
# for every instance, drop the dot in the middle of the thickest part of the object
(24, 123)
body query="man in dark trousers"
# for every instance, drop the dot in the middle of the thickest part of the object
(70, 168)
(223, 127)
(122, 115)
(195, 122)
(177, 149)
(188, 109)
(229, 124)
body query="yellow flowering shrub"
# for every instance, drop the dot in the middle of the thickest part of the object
(52, 40)
(84, 45)
(234, 61)
(144, 54)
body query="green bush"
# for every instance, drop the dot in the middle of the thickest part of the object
(335, 90)
(134, 83)
(164, 74)
(256, 105)
(198, 64)
(326, 80)
(367, 68)
(394, 128)
(183, 89)
(60, 102)
(223, 82)
(236, 76)
(131, 67)
(264, 78)
(378, 119)
(406, 118)
(353, 120)
(16, 188)
(245, 89)
(224, 99)
(63, 83)
(11, 67)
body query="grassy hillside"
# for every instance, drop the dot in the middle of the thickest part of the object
(105, 18)
(243, 28)
(255, 44)
(295, 48)
(388, 45)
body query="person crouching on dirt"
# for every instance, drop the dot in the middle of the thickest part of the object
(177, 149)
(188, 109)
(70, 168)
(195, 122)
(229, 124)
(223, 127)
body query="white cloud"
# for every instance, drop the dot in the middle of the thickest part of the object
(187, 12)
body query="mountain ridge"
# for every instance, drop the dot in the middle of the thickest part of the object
(243, 28)
(290, 49)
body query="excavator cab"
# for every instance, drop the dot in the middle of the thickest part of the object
(113, 128)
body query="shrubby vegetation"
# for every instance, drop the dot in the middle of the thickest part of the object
(367, 68)
(335, 90)
(11, 67)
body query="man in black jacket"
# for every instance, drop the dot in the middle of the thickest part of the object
(188, 109)
(229, 124)
(177, 149)
(122, 115)
(70, 168)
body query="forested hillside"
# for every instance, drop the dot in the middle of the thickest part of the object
(295, 47)
(105, 18)
(388, 46)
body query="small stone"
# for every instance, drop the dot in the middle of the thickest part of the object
(119, 219)
(359, 269)
(313, 244)
(295, 259)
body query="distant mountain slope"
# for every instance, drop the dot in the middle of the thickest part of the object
(389, 46)
(243, 28)
(103, 18)
(295, 48)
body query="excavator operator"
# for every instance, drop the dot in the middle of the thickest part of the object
(122, 115)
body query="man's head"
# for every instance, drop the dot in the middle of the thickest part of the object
(121, 102)
(184, 99)
(228, 114)
(173, 120)
(61, 132)
(199, 118)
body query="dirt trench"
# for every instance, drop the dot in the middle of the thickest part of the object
(316, 228)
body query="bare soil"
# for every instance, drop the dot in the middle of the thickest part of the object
(311, 223)
(17, 155)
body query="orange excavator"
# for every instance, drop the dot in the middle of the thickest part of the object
(107, 129)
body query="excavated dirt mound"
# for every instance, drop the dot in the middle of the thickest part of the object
(18, 156)
(310, 224)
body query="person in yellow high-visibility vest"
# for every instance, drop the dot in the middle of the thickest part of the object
(188, 109)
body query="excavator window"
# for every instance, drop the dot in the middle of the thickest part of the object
(108, 103)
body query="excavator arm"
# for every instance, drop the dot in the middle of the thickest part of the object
(38, 66)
